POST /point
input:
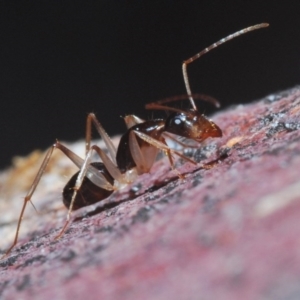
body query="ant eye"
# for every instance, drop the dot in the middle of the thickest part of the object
(177, 121)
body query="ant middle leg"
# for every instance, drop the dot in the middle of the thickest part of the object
(87, 171)
(110, 162)
(131, 120)
(92, 119)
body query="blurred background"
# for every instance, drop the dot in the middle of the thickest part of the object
(61, 60)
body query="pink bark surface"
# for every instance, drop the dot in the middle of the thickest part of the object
(228, 232)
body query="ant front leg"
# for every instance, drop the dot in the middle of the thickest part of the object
(159, 145)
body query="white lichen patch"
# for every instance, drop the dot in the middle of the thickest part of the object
(271, 203)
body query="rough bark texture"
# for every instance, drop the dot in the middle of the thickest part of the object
(230, 232)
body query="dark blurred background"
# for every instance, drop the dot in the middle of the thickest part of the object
(60, 60)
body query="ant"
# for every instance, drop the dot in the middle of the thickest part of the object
(137, 150)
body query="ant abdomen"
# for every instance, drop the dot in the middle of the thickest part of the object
(88, 193)
(192, 125)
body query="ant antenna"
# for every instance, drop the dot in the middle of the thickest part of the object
(214, 45)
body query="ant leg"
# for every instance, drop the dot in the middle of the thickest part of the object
(161, 146)
(94, 176)
(131, 120)
(86, 170)
(168, 151)
(29, 195)
(79, 180)
(92, 119)
(143, 164)
(179, 142)
(164, 147)
(92, 173)
(110, 166)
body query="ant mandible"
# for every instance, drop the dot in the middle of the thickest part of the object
(137, 150)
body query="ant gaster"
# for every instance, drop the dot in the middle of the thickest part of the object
(137, 149)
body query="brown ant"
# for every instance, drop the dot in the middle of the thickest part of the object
(137, 150)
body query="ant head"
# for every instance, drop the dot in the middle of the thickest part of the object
(192, 125)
